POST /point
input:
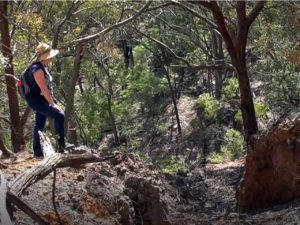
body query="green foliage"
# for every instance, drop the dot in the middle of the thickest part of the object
(261, 109)
(3, 62)
(238, 117)
(138, 94)
(231, 90)
(170, 165)
(144, 156)
(140, 86)
(209, 104)
(232, 148)
(196, 56)
(93, 116)
(281, 82)
(139, 82)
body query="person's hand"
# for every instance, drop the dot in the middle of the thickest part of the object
(56, 107)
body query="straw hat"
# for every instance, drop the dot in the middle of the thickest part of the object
(45, 51)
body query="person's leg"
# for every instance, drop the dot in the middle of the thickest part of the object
(60, 130)
(40, 121)
(59, 117)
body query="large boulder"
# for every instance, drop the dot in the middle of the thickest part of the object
(272, 173)
(146, 194)
(105, 204)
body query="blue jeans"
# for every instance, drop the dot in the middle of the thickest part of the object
(43, 110)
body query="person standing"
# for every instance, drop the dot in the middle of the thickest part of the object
(42, 101)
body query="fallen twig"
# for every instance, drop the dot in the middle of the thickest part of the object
(53, 198)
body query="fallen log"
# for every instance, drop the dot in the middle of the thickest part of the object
(4, 216)
(51, 161)
(33, 175)
(48, 149)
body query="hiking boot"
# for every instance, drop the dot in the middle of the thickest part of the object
(64, 146)
(69, 146)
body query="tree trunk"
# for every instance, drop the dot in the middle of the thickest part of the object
(72, 134)
(236, 45)
(72, 85)
(217, 49)
(17, 138)
(173, 95)
(247, 104)
(110, 103)
(113, 120)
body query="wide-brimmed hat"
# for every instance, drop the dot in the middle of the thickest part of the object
(45, 51)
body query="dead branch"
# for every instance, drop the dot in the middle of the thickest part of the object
(33, 175)
(116, 25)
(48, 149)
(53, 198)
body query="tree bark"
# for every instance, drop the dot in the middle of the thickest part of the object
(217, 49)
(17, 137)
(173, 95)
(72, 85)
(236, 45)
(110, 105)
(247, 104)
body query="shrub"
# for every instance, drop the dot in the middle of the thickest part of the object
(209, 105)
(231, 90)
(232, 148)
(238, 117)
(261, 109)
(170, 165)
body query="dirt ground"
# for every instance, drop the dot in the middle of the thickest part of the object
(203, 196)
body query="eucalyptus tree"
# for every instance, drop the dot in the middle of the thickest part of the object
(278, 67)
(17, 138)
(81, 42)
(236, 42)
(234, 29)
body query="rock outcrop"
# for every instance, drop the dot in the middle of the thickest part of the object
(272, 174)
(125, 191)
(146, 194)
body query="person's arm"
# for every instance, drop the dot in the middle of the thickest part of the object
(42, 83)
